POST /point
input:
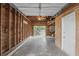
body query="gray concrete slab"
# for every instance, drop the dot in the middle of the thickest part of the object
(39, 46)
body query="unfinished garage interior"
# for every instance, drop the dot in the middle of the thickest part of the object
(39, 29)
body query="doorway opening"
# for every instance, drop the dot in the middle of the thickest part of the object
(39, 30)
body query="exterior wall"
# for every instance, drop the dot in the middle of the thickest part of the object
(73, 7)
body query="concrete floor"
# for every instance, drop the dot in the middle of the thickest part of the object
(39, 46)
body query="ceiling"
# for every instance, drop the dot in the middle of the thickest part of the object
(40, 9)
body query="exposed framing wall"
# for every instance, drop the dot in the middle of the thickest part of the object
(12, 31)
(4, 28)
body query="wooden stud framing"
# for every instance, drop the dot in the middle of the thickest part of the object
(16, 27)
(0, 29)
(12, 29)
(4, 28)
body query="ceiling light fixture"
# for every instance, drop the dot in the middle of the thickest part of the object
(40, 18)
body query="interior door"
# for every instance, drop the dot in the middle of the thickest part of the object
(68, 33)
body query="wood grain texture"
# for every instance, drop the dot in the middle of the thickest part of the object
(4, 28)
(15, 27)
(0, 29)
(18, 27)
(11, 29)
(77, 32)
(58, 32)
